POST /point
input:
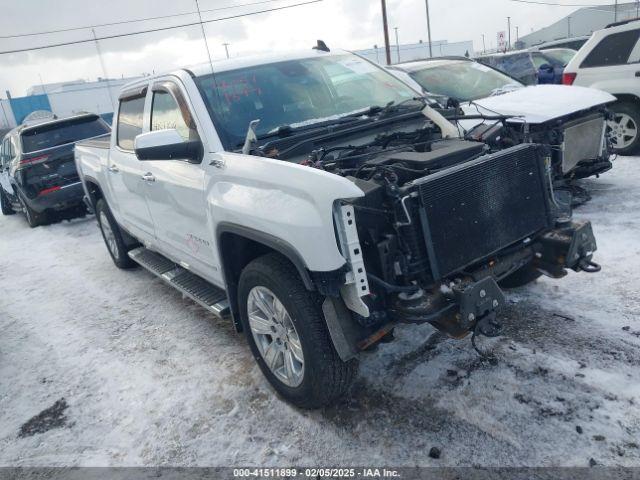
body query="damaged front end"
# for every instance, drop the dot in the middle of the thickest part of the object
(435, 235)
(580, 147)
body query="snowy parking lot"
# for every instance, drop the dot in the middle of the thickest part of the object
(100, 366)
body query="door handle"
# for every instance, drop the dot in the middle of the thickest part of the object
(148, 177)
(113, 168)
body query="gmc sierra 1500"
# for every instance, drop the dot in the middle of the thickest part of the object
(314, 199)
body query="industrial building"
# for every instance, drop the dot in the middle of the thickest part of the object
(65, 98)
(582, 22)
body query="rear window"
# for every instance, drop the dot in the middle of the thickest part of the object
(52, 135)
(612, 50)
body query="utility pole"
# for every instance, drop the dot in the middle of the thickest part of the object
(429, 29)
(484, 47)
(385, 27)
(397, 44)
(226, 48)
(615, 12)
(517, 34)
(509, 33)
(569, 26)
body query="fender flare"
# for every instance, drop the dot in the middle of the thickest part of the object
(275, 243)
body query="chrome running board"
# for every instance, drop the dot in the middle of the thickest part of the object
(189, 284)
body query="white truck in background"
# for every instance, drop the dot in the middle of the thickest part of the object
(317, 202)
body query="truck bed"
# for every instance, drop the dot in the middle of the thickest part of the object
(103, 141)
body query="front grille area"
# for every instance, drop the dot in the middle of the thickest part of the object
(583, 140)
(478, 208)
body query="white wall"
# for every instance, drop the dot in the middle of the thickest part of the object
(96, 97)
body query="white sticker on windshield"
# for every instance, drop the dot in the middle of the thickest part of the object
(479, 66)
(358, 66)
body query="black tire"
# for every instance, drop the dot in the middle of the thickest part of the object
(118, 249)
(631, 110)
(5, 204)
(34, 218)
(326, 377)
(520, 277)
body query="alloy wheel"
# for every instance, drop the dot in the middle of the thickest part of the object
(275, 336)
(622, 130)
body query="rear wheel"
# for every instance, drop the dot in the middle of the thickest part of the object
(520, 277)
(288, 335)
(33, 218)
(624, 129)
(5, 204)
(112, 236)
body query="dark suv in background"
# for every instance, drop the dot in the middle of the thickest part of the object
(532, 67)
(37, 170)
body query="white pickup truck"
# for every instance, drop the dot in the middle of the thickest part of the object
(316, 201)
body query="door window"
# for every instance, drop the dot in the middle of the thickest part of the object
(615, 49)
(130, 116)
(166, 113)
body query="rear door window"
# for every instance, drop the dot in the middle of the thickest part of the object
(62, 133)
(130, 121)
(615, 49)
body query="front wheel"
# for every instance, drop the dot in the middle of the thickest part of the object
(112, 236)
(288, 336)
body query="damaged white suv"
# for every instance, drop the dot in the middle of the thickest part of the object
(315, 201)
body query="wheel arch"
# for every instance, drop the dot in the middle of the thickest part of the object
(93, 190)
(238, 245)
(627, 97)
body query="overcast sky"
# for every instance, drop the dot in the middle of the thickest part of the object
(349, 24)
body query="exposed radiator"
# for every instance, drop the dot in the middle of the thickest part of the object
(583, 140)
(478, 208)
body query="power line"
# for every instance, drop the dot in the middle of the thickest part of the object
(123, 22)
(107, 37)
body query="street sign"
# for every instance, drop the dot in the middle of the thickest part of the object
(502, 41)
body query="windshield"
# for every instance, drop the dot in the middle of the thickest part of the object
(295, 93)
(462, 81)
(561, 55)
(61, 133)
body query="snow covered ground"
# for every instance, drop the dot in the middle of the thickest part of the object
(124, 371)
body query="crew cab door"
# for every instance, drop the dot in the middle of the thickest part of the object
(124, 170)
(175, 191)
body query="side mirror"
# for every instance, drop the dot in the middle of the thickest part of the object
(167, 145)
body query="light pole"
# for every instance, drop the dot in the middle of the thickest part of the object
(397, 44)
(615, 12)
(429, 29)
(226, 48)
(517, 34)
(484, 48)
(569, 26)
(509, 33)
(385, 27)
